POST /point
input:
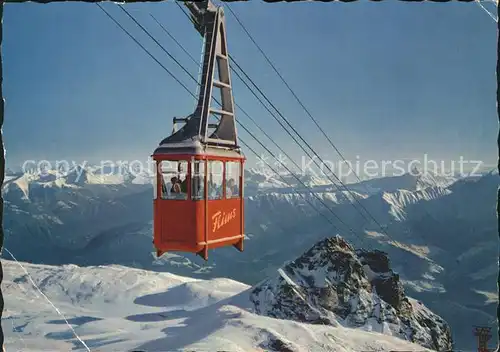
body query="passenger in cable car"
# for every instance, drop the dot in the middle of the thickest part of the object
(177, 190)
(176, 186)
(182, 185)
(214, 189)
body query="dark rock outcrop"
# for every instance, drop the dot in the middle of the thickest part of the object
(334, 284)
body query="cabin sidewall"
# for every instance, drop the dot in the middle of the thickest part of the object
(195, 225)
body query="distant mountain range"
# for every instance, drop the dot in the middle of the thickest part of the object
(440, 233)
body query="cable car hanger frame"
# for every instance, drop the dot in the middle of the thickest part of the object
(202, 214)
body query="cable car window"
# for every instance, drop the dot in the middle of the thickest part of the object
(198, 183)
(232, 179)
(174, 179)
(215, 173)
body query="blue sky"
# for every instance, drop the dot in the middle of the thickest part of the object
(388, 80)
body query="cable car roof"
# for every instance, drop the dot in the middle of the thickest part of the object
(194, 146)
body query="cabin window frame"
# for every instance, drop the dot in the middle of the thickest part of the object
(201, 170)
(155, 180)
(242, 179)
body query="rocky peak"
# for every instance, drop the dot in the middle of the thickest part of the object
(332, 283)
(384, 280)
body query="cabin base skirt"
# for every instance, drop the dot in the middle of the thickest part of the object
(201, 248)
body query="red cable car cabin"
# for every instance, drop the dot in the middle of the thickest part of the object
(205, 210)
(198, 201)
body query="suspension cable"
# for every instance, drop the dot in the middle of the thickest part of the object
(245, 113)
(250, 133)
(143, 48)
(303, 106)
(175, 40)
(308, 145)
(298, 134)
(290, 89)
(295, 140)
(157, 43)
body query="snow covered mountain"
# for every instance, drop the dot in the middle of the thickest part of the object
(333, 283)
(114, 308)
(439, 233)
(414, 181)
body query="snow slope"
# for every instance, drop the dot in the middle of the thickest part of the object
(114, 308)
